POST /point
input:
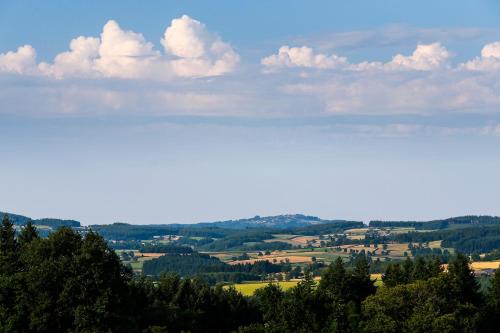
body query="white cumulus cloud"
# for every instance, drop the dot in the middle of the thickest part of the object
(425, 57)
(78, 61)
(302, 57)
(22, 61)
(190, 50)
(198, 52)
(488, 61)
(124, 54)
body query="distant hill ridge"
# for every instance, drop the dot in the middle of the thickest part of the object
(461, 221)
(51, 222)
(277, 222)
(286, 221)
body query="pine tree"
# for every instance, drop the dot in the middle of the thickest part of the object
(308, 281)
(420, 271)
(464, 279)
(8, 243)
(493, 303)
(333, 281)
(434, 267)
(360, 284)
(408, 270)
(28, 234)
(393, 276)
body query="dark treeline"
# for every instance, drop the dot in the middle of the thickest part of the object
(325, 228)
(203, 264)
(164, 248)
(50, 222)
(125, 231)
(479, 239)
(461, 221)
(72, 283)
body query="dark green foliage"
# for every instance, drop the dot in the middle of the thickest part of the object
(57, 223)
(184, 265)
(360, 284)
(65, 283)
(434, 305)
(269, 246)
(464, 279)
(330, 227)
(164, 248)
(394, 275)
(434, 302)
(422, 269)
(184, 305)
(28, 234)
(124, 231)
(238, 238)
(210, 267)
(492, 314)
(334, 280)
(70, 283)
(73, 283)
(453, 222)
(493, 255)
(477, 239)
(8, 243)
(50, 222)
(332, 305)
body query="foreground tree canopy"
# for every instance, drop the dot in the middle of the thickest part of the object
(73, 283)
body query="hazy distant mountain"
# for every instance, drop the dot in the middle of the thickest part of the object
(51, 222)
(278, 222)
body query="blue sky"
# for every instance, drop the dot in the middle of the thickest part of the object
(186, 111)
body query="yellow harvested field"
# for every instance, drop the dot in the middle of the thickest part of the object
(435, 244)
(485, 265)
(249, 288)
(152, 255)
(355, 236)
(282, 240)
(378, 279)
(285, 236)
(359, 247)
(304, 239)
(398, 249)
(401, 230)
(224, 256)
(356, 231)
(294, 240)
(292, 259)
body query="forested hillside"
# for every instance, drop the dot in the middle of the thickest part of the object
(50, 222)
(73, 283)
(453, 222)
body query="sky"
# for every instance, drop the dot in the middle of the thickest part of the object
(191, 111)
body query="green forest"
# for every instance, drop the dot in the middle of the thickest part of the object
(73, 282)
